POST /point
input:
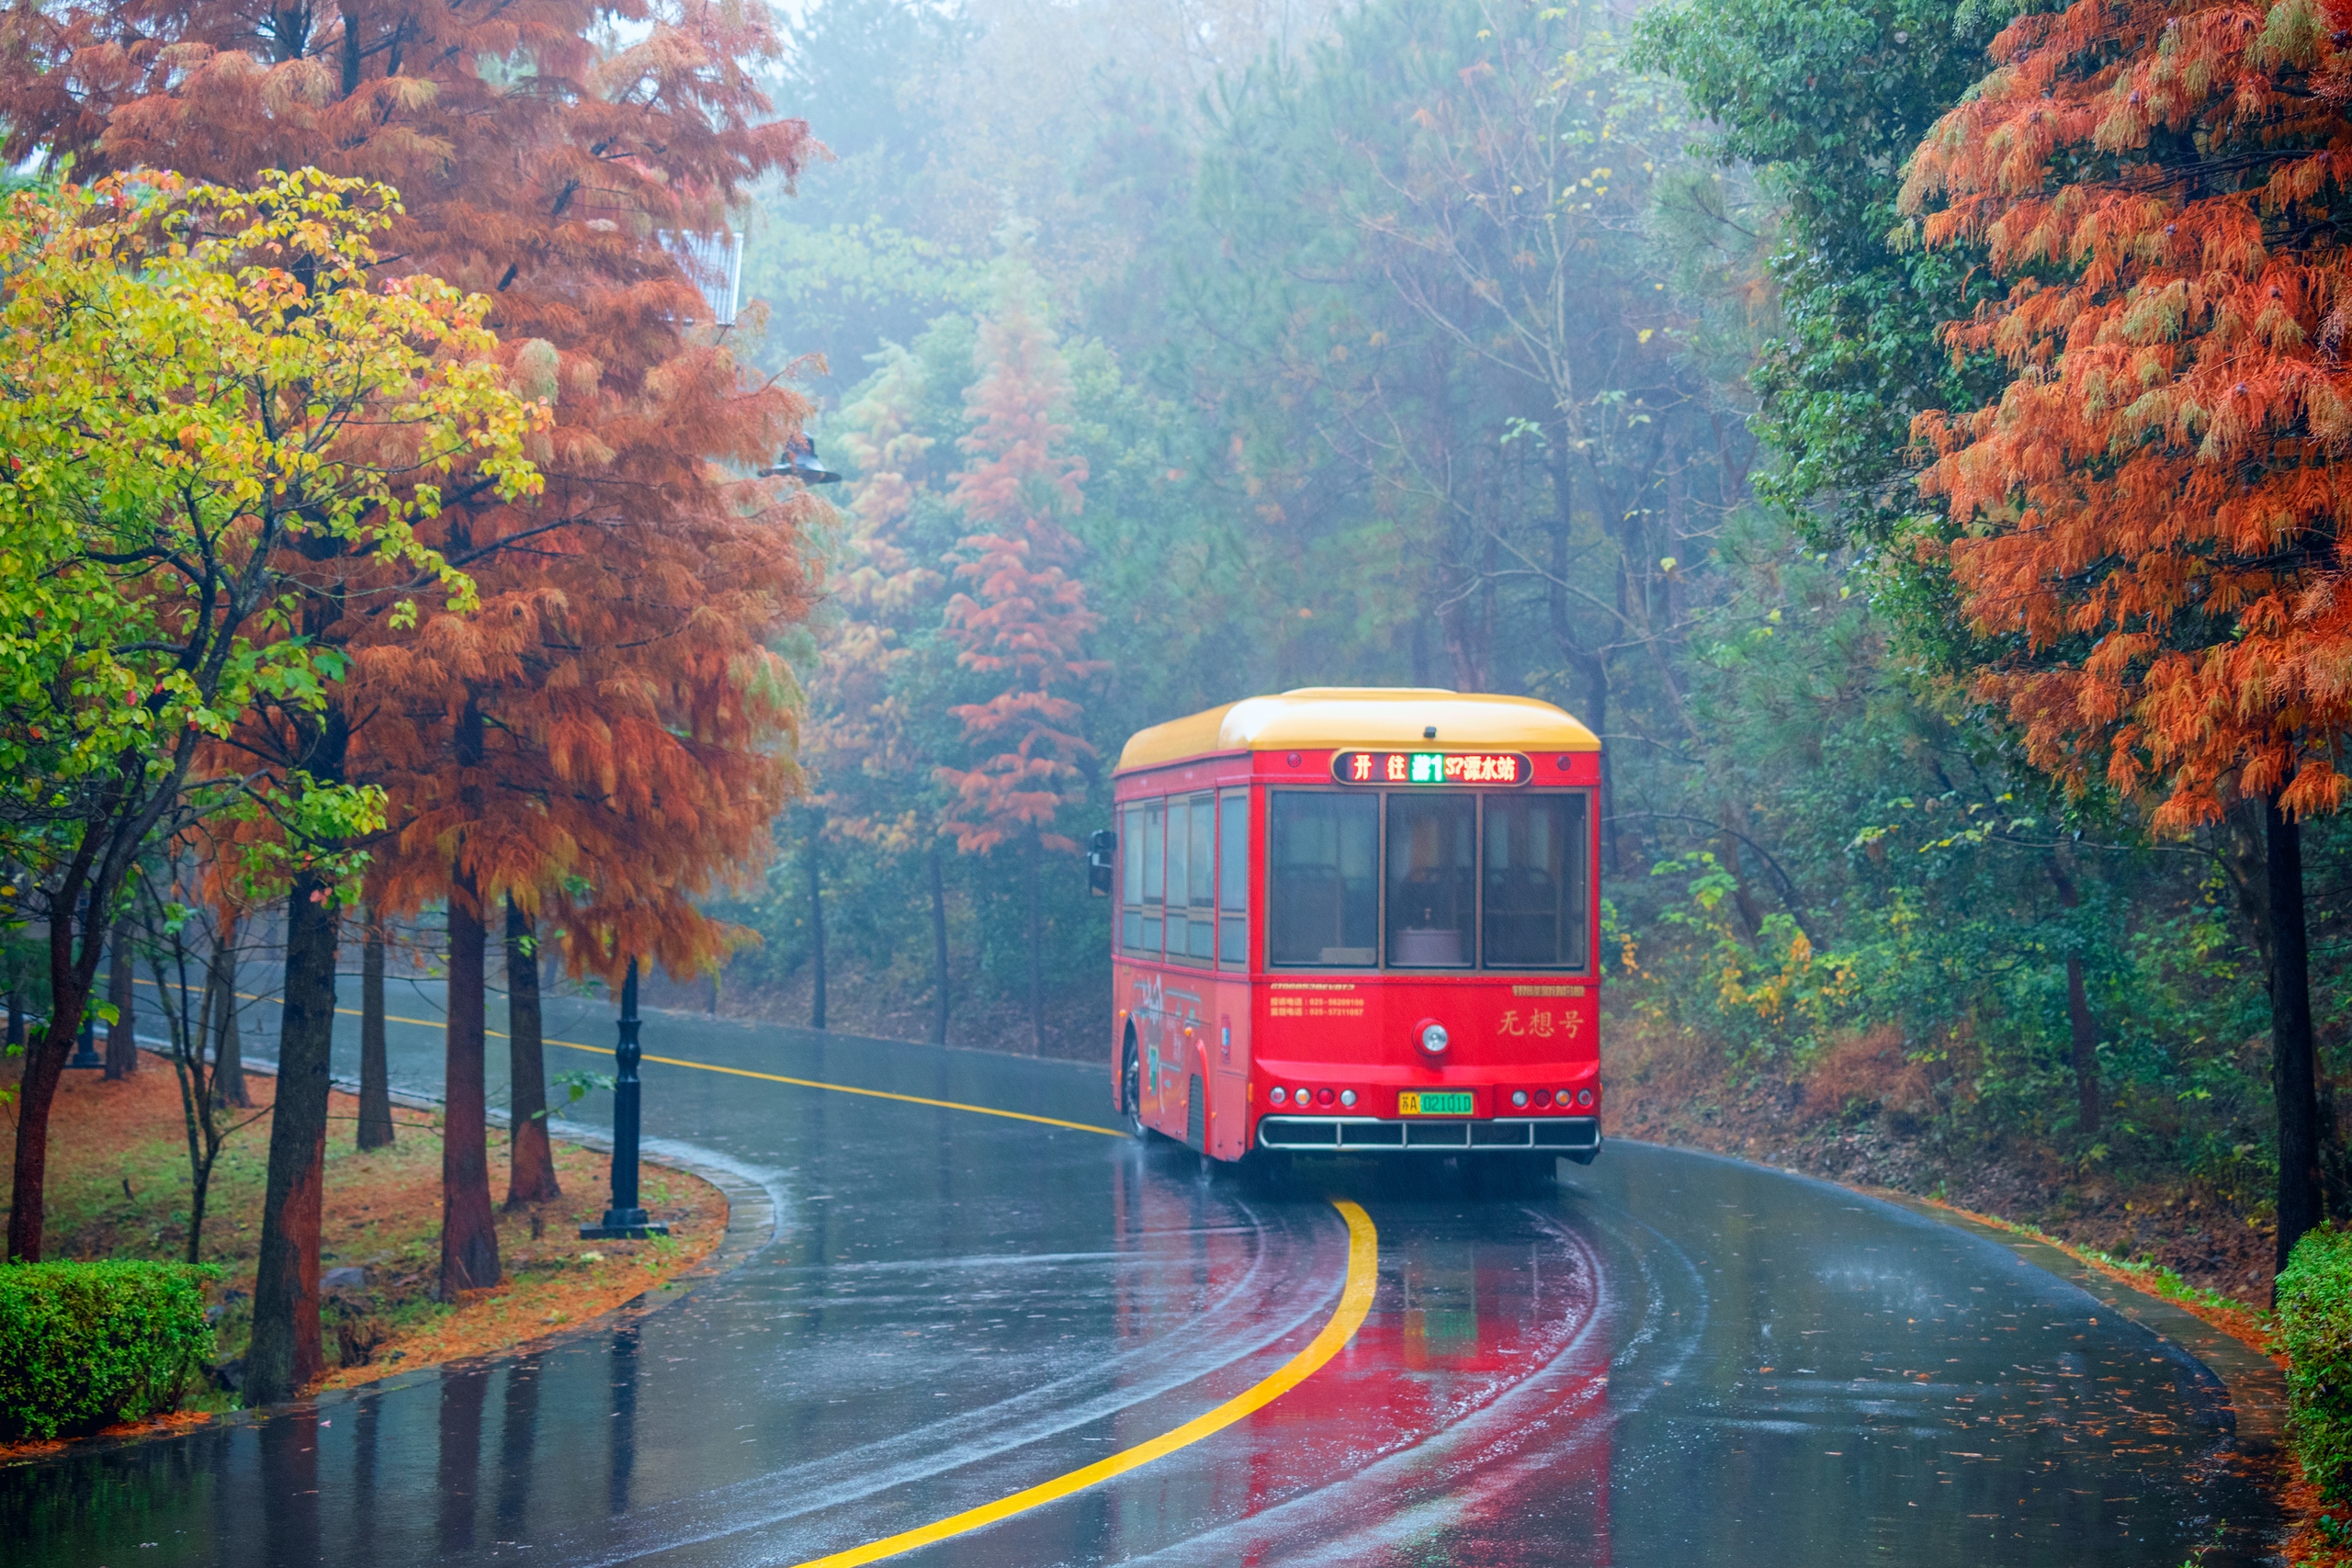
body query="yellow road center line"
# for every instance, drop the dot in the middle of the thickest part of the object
(1355, 1301)
(748, 1073)
(845, 1088)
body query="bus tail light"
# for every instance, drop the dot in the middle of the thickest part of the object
(1519, 1097)
(1584, 1096)
(1322, 1097)
(1430, 1037)
(1278, 1094)
(1542, 1097)
(1347, 1097)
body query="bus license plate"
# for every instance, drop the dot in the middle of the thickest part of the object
(1428, 1102)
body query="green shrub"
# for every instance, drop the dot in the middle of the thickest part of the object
(86, 1345)
(2315, 1329)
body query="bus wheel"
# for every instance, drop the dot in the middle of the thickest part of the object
(1131, 1090)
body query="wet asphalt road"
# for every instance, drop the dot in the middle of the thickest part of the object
(1664, 1359)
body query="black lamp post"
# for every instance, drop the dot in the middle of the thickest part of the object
(86, 1046)
(624, 1221)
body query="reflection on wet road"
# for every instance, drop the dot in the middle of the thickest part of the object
(1665, 1358)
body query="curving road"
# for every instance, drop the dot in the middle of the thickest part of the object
(1664, 1359)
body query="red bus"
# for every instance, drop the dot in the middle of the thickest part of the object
(1362, 921)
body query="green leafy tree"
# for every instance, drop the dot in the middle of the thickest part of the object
(1826, 101)
(207, 393)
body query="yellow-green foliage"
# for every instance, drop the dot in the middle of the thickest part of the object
(2315, 1327)
(86, 1345)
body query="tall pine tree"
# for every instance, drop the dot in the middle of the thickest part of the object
(1021, 622)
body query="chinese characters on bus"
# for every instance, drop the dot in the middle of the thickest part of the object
(1543, 1023)
(1430, 768)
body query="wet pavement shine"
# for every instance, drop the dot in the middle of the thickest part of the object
(1664, 1358)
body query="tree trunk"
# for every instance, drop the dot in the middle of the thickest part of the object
(1743, 899)
(469, 1229)
(939, 997)
(2294, 1078)
(228, 1046)
(530, 1175)
(199, 1084)
(816, 921)
(2082, 1026)
(36, 1092)
(1036, 951)
(375, 1072)
(71, 969)
(286, 1352)
(2083, 1031)
(1592, 666)
(122, 1038)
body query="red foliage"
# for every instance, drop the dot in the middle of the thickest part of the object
(2151, 511)
(1024, 620)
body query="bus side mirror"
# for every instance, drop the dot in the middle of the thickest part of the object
(1102, 847)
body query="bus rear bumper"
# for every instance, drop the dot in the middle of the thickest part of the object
(1368, 1134)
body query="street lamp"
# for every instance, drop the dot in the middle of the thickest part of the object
(624, 1221)
(86, 1046)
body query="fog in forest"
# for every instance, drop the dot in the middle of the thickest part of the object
(1453, 344)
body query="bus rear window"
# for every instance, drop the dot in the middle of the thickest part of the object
(1433, 880)
(1425, 880)
(1323, 878)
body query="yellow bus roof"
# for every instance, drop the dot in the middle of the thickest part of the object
(1326, 717)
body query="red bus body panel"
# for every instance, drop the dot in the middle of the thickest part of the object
(1239, 1032)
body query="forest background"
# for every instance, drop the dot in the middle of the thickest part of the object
(1176, 353)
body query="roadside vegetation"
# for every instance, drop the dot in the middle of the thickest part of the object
(119, 1196)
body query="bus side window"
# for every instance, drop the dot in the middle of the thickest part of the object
(1233, 879)
(1201, 881)
(1323, 878)
(1180, 892)
(1155, 870)
(1131, 877)
(1536, 892)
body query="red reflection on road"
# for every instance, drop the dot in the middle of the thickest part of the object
(1474, 1397)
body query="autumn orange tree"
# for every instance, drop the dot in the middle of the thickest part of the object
(1020, 625)
(557, 172)
(2144, 526)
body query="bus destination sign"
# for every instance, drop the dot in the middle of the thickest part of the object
(1410, 768)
